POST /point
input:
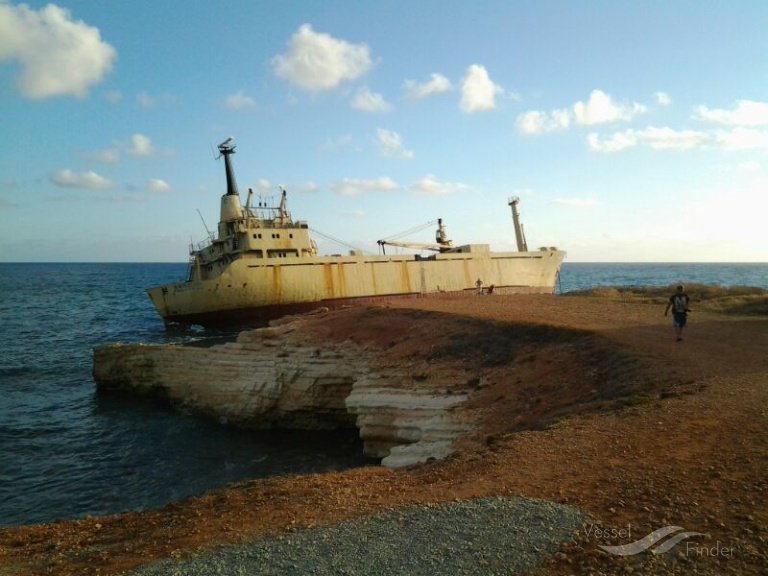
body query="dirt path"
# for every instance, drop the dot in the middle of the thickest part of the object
(685, 443)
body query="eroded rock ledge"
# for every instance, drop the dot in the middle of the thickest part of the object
(414, 382)
(281, 377)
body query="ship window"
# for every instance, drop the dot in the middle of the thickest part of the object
(282, 253)
(290, 235)
(259, 254)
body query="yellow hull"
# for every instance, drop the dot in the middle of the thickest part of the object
(251, 289)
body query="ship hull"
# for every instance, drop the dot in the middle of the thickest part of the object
(250, 291)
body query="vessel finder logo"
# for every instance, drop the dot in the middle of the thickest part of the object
(650, 541)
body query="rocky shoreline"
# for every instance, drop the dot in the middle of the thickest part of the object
(582, 402)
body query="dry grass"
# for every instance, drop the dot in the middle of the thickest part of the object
(744, 300)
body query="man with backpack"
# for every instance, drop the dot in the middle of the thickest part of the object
(678, 302)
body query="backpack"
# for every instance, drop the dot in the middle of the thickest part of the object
(680, 303)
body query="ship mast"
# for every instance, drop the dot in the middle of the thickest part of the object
(522, 245)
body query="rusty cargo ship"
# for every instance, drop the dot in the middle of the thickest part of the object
(261, 264)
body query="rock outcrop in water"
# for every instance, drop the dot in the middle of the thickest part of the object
(276, 377)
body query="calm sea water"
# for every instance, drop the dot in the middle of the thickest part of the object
(67, 452)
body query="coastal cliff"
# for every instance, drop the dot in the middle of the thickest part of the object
(280, 377)
(412, 392)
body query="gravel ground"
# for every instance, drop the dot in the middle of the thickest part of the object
(487, 535)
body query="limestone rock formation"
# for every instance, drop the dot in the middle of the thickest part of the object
(273, 377)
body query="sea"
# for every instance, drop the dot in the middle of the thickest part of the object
(68, 451)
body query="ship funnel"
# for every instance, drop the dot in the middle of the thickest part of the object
(522, 246)
(226, 148)
(230, 202)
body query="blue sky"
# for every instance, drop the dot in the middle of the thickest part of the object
(631, 131)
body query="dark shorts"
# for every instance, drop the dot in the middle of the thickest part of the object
(679, 319)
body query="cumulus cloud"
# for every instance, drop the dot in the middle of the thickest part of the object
(57, 55)
(652, 137)
(429, 185)
(601, 109)
(367, 101)
(141, 145)
(391, 144)
(158, 186)
(537, 122)
(744, 113)
(354, 187)
(88, 180)
(478, 92)
(239, 101)
(436, 84)
(598, 109)
(316, 61)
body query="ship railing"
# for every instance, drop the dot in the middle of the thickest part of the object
(201, 245)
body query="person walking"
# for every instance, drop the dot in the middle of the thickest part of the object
(678, 302)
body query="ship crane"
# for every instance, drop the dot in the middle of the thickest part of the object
(442, 243)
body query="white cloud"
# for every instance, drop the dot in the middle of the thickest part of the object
(316, 61)
(600, 109)
(436, 84)
(536, 122)
(88, 180)
(430, 186)
(58, 56)
(239, 101)
(158, 186)
(576, 202)
(367, 101)
(669, 139)
(743, 139)
(744, 113)
(616, 143)
(391, 145)
(478, 92)
(141, 145)
(652, 137)
(663, 99)
(353, 187)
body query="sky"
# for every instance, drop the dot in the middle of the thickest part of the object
(630, 131)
